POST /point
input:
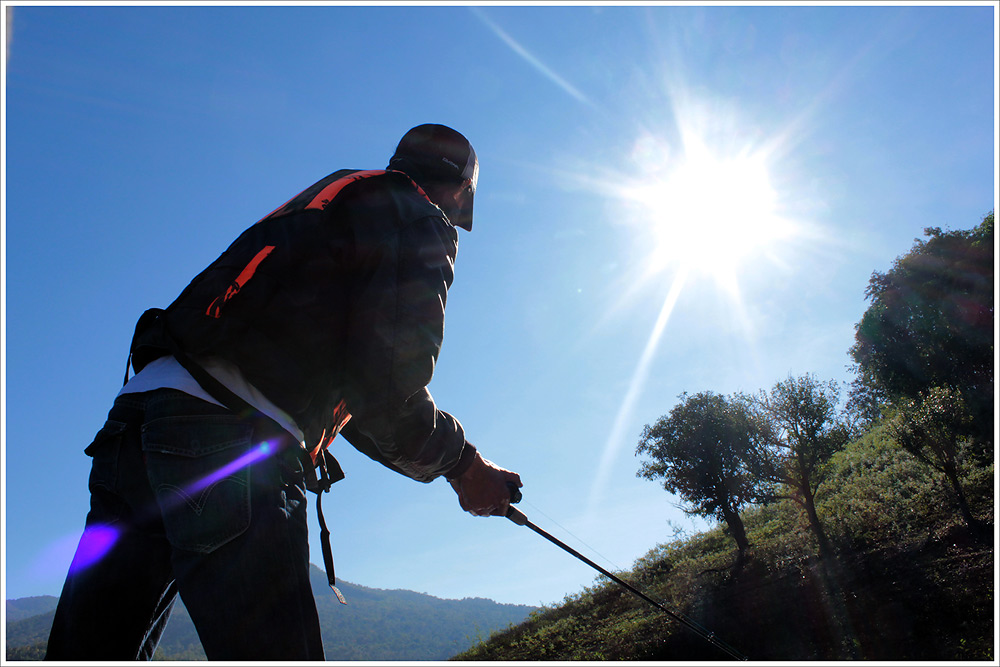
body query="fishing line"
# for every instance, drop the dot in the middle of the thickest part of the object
(570, 533)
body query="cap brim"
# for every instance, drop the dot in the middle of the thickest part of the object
(465, 213)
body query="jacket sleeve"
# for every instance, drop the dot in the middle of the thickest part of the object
(395, 334)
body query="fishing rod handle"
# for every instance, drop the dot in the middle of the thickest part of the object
(514, 514)
(517, 516)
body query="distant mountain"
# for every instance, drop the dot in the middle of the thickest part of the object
(375, 625)
(28, 607)
(28, 624)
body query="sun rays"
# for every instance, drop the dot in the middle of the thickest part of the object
(705, 214)
(695, 199)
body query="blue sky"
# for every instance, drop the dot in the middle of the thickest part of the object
(621, 148)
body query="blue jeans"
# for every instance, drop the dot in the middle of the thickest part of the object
(189, 498)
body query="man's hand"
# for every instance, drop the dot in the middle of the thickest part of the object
(482, 489)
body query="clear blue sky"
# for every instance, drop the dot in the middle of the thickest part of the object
(621, 149)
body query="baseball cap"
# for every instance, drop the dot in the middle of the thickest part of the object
(439, 153)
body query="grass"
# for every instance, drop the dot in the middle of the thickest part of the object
(908, 581)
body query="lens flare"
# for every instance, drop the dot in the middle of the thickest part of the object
(95, 543)
(637, 384)
(250, 457)
(98, 540)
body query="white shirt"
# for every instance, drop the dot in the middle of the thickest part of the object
(167, 373)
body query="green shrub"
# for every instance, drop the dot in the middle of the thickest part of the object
(904, 584)
(879, 491)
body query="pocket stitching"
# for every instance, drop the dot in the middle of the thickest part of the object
(150, 433)
(238, 433)
(112, 429)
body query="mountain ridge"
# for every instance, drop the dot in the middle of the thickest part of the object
(376, 624)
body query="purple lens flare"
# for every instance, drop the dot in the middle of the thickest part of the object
(254, 455)
(95, 543)
(97, 540)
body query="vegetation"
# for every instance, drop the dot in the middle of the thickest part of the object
(926, 429)
(930, 324)
(379, 625)
(711, 452)
(801, 415)
(871, 541)
(905, 581)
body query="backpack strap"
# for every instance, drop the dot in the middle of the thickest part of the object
(330, 472)
(143, 324)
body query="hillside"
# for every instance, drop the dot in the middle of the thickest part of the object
(375, 625)
(908, 581)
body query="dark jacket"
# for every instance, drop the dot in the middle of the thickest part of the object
(338, 295)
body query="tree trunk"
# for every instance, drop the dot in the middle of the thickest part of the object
(803, 485)
(951, 472)
(737, 530)
(809, 502)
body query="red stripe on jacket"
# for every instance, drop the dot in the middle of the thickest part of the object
(215, 308)
(327, 194)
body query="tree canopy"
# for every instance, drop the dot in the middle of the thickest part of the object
(926, 428)
(930, 323)
(710, 450)
(805, 431)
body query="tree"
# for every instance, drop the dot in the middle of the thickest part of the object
(930, 324)
(805, 432)
(709, 451)
(927, 427)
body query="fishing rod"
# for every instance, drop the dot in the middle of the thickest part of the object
(520, 519)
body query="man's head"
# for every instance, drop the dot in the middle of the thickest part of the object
(444, 164)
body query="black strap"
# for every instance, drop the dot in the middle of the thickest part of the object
(330, 473)
(142, 324)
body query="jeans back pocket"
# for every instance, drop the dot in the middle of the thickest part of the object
(104, 452)
(199, 469)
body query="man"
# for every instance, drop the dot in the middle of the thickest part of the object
(324, 317)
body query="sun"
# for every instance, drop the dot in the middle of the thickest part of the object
(709, 214)
(701, 210)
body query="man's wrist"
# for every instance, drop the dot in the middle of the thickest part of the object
(465, 462)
